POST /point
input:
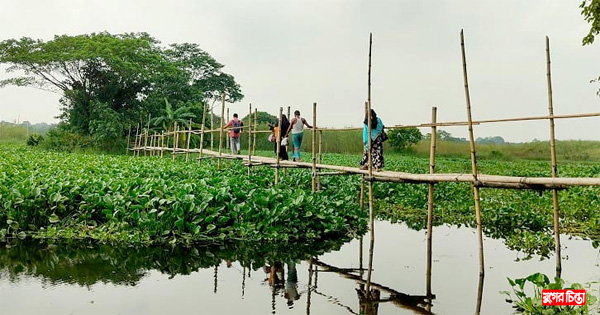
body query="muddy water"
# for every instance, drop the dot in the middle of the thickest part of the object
(37, 279)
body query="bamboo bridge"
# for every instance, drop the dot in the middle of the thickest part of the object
(158, 144)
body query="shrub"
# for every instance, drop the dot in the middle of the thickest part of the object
(34, 139)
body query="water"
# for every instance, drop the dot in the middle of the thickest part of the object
(235, 279)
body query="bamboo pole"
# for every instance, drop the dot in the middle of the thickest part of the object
(249, 138)
(473, 156)
(147, 134)
(430, 205)
(278, 145)
(128, 139)
(221, 131)
(309, 287)
(320, 159)
(212, 125)
(175, 129)
(314, 156)
(255, 131)
(479, 295)
(290, 143)
(189, 137)
(228, 144)
(137, 142)
(202, 133)
(162, 143)
(553, 160)
(370, 160)
(152, 144)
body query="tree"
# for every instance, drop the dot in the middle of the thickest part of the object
(262, 118)
(109, 82)
(403, 138)
(590, 9)
(180, 116)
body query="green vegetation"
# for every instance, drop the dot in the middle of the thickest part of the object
(20, 132)
(402, 139)
(571, 150)
(590, 9)
(526, 304)
(45, 194)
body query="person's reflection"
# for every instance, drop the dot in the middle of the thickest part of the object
(291, 285)
(278, 282)
(275, 276)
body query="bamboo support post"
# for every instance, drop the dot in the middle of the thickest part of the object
(553, 160)
(288, 147)
(256, 129)
(162, 143)
(175, 133)
(202, 133)
(147, 134)
(278, 145)
(212, 126)
(370, 160)
(430, 203)
(136, 146)
(128, 141)
(320, 159)
(249, 138)
(314, 153)
(153, 144)
(476, 196)
(145, 142)
(221, 130)
(187, 145)
(228, 143)
(135, 139)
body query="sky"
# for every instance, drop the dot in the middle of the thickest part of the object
(294, 53)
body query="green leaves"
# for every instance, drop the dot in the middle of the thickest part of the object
(532, 304)
(51, 194)
(53, 218)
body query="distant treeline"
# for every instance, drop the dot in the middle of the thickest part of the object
(19, 132)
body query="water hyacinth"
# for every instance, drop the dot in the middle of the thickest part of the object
(152, 200)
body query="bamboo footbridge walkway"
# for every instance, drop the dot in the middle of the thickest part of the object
(158, 144)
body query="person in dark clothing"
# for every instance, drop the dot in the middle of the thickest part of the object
(285, 125)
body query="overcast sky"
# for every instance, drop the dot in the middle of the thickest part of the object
(298, 52)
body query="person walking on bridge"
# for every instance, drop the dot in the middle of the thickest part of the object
(377, 138)
(297, 129)
(234, 133)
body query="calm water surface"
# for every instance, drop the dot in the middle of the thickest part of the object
(257, 280)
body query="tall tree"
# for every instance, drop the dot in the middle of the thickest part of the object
(109, 81)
